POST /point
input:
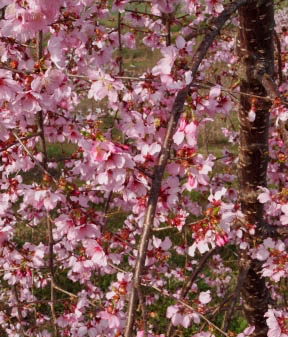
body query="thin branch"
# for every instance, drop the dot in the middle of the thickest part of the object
(142, 170)
(51, 268)
(116, 267)
(189, 284)
(71, 294)
(107, 203)
(160, 229)
(241, 278)
(218, 308)
(144, 312)
(37, 163)
(168, 27)
(120, 57)
(128, 78)
(166, 294)
(279, 60)
(15, 292)
(138, 79)
(16, 71)
(273, 91)
(208, 85)
(16, 142)
(143, 13)
(196, 272)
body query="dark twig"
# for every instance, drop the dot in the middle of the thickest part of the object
(236, 293)
(143, 311)
(120, 57)
(19, 310)
(273, 91)
(186, 305)
(37, 163)
(16, 142)
(189, 284)
(279, 60)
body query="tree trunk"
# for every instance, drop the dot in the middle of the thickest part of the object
(255, 49)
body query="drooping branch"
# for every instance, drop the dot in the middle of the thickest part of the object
(176, 111)
(272, 90)
(241, 277)
(51, 268)
(279, 60)
(186, 305)
(11, 143)
(143, 310)
(37, 163)
(19, 310)
(189, 284)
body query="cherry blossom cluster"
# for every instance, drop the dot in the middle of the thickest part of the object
(81, 132)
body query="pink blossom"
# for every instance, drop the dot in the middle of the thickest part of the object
(205, 297)
(276, 321)
(201, 245)
(129, 40)
(113, 320)
(204, 334)
(165, 245)
(199, 173)
(247, 332)
(265, 196)
(284, 218)
(164, 66)
(172, 312)
(252, 115)
(119, 5)
(98, 153)
(94, 251)
(221, 240)
(217, 196)
(104, 85)
(192, 5)
(152, 40)
(8, 87)
(148, 153)
(56, 47)
(186, 130)
(214, 5)
(24, 21)
(4, 3)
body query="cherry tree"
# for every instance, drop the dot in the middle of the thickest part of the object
(114, 221)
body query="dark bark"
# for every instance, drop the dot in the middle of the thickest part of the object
(256, 58)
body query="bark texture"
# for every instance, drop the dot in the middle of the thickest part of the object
(255, 48)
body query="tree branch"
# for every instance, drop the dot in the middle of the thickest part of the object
(166, 294)
(176, 111)
(143, 310)
(235, 296)
(39, 164)
(279, 60)
(189, 284)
